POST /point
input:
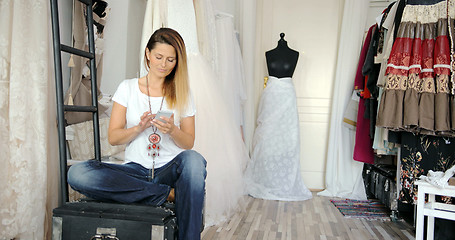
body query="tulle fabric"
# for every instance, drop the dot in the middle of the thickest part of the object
(218, 139)
(274, 170)
(230, 67)
(206, 31)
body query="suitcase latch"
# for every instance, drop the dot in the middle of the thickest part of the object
(105, 233)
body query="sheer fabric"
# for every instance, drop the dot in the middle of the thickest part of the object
(206, 31)
(24, 117)
(274, 170)
(249, 22)
(216, 138)
(343, 174)
(230, 67)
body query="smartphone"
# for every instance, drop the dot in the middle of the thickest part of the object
(163, 113)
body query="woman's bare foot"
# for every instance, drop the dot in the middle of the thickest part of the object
(171, 196)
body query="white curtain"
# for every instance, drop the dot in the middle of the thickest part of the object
(248, 44)
(343, 174)
(25, 120)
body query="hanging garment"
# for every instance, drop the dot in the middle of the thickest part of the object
(416, 93)
(216, 136)
(206, 31)
(363, 151)
(79, 91)
(381, 144)
(230, 67)
(274, 170)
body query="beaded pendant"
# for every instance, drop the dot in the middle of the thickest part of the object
(154, 149)
(154, 138)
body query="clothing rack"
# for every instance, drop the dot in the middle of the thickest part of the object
(61, 107)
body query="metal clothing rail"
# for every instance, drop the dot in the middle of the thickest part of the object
(61, 107)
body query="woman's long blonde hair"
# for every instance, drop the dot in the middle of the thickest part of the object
(175, 87)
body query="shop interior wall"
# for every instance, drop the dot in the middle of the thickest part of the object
(123, 35)
(311, 27)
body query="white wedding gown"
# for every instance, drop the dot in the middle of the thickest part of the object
(274, 170)
(218, 137)
(230, 67)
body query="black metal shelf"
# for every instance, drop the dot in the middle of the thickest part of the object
(61, 107)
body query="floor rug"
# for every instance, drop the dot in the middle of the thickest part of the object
(369, 209)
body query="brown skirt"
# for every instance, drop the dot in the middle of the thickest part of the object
(417, 94)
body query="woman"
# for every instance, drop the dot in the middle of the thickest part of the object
(158, 156)
(219, 139)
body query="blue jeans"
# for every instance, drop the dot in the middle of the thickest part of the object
(132, 183)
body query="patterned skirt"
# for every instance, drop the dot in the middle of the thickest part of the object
(418, 95)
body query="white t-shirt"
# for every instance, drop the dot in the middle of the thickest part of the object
(136, 103)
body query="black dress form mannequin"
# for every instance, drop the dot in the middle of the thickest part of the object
(281, 61)
(274, 170)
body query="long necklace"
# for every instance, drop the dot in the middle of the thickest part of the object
(153, 147)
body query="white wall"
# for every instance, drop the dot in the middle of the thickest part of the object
(115, 39)
(311, 27)
(122, 36)
(228, 6)
(317, 39)
(65, 15)
(136, 12)
(375, 10)
(121, 42)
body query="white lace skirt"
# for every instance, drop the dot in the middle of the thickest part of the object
(274, 170)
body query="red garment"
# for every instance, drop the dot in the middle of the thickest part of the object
(363, 149)
(359, 81)
(365, 94)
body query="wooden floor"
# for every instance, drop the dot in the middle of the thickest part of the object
(317, 218)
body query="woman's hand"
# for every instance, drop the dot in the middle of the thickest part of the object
(146, 121)
(166, 127)
(183, 136)
(117, 133)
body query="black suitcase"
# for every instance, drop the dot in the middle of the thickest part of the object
(94, 220)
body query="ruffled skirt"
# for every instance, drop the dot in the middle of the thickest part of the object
(418, 95)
